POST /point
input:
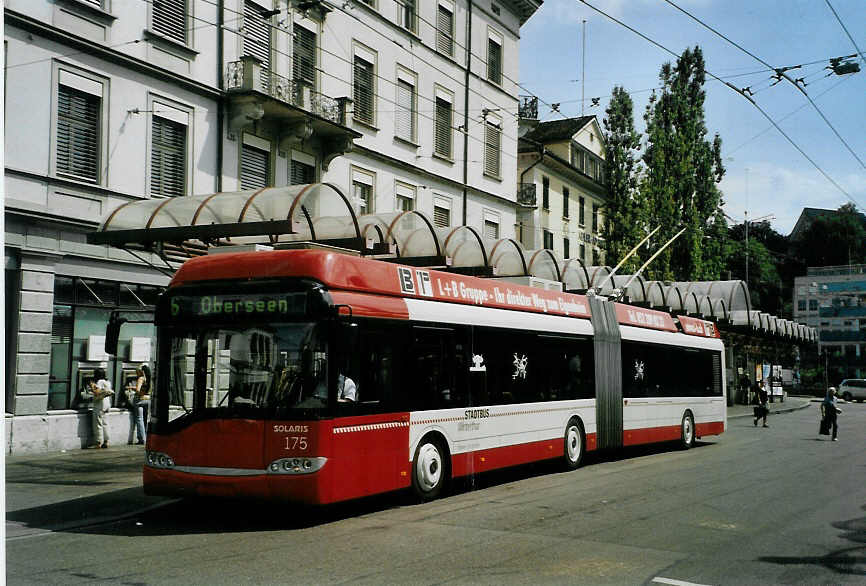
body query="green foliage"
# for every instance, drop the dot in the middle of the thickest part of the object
(834, 239)
(682, 173)
(625, 213)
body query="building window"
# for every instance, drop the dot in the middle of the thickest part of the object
(167, 157)
(565, 197)
(304, 57)
(255, 167)
(301, 173)
(405, 197)
(441, 216)
(494, 60)
(405, 116)
(491, 229)
(801, 305)
(595, 259)
(78, 131)
(492, 148)
(362, 191)
(813, 305)
(257, 40)
(581, 214)
(81, 311)
(548, 239)
(168, 18)
(363, 90)
(566, 248)
(582, 253)
(442, 144)
(545, 193)
(408, 15)
(445, 30)
(595, 218)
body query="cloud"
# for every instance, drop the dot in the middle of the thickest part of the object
(784, 191)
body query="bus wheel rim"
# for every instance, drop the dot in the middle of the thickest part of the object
(687, 429)
(429, 467)
(573, 443)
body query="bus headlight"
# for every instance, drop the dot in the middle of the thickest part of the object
(159, 460)
(296, 465)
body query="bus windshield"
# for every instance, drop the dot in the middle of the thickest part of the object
(268, 367)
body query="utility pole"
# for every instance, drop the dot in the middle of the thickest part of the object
(583, 67)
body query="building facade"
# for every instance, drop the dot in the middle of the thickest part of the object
(833, 301)
(401, 105)
(561, 186)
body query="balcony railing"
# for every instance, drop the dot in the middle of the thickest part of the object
(528, 107)
(527, 194)
(247, 74)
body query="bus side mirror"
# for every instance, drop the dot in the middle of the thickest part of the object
(112, 333)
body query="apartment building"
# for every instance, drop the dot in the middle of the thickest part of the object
(401, 105)
(561, 185)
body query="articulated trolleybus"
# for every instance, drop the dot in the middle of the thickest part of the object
(313, 376)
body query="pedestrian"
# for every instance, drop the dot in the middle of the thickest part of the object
(139, 403)
(99, 392)
(761, 409)
(831, 410)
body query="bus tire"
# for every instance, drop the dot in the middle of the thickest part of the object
(575, 444)
(430, 469)
(687, 430)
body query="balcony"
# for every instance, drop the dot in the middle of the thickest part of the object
(292, 109)
(527, 194)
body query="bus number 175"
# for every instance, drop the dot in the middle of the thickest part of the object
(296, 442)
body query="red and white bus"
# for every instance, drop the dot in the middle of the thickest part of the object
(454, 375)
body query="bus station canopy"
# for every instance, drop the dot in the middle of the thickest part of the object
(318, 214)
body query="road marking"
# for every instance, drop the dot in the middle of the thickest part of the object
(660, 580)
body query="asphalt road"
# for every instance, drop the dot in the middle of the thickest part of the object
(754, 506)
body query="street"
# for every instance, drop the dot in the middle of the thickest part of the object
(754, 506)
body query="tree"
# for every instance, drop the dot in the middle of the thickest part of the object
(834, 239)
(682, 173)
(625, 213)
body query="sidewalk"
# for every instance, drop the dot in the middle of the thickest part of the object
(76, 488)
(791, 403)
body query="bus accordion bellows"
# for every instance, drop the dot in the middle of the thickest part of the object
(314, 377)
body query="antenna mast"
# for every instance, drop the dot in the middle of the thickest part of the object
(583, 67)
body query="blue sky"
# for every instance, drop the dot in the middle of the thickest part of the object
(765, 173)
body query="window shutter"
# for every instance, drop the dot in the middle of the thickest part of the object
(405, 110)
(169, 19)
(257, 41)
(168, 158)
(301, 174)
(494, 61)
(78, 133)
(444, 31)
(491, 230)
(304, 56)
(255, 167)
(363, 93)
(492, 147)
(441, 217)
(442, 139)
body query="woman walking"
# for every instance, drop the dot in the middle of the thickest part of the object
(831, 410)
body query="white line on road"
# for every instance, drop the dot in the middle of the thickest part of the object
(660, 580)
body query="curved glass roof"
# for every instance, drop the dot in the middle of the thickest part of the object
(320, 212)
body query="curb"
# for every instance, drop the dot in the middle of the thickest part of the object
(773, 411)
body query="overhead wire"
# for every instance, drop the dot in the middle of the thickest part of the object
(761, 110)
(780, 72)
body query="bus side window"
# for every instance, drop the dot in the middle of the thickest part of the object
(432, 382)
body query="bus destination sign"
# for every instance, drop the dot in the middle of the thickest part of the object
(238, 305)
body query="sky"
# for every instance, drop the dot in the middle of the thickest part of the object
(765, 174)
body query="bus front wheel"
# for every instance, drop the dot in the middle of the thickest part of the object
(688, 430)
(429, 469)
(575, 444)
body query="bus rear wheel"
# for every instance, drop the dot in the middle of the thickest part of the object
(688, 430)
(429, 469)
(575, 444)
